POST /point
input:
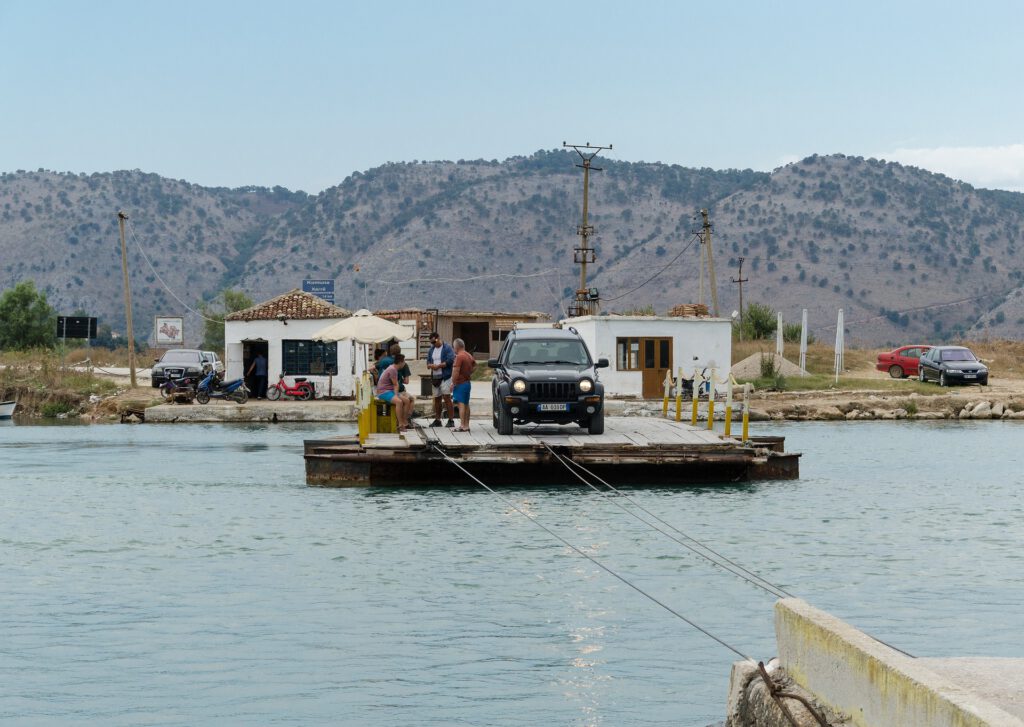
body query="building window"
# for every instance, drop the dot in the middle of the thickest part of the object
(627, 354)
(497, 335)
(301, 358)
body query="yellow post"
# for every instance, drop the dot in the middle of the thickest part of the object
(711, 400)
(746, 412)
(668, 387)
(696, 392)
(679, 395)
(728, 406)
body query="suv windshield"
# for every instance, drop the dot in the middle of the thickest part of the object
(558, 351)
(180, 357)
(958, 354)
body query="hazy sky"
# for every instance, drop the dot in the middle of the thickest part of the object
(301, 94)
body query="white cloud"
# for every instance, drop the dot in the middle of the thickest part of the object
(991, 167)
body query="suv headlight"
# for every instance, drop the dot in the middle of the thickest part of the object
(519, 386)
(586, 386)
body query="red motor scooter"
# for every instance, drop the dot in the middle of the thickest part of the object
(302, 389)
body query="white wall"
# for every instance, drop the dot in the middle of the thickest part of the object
(273, 332)
(709, 339)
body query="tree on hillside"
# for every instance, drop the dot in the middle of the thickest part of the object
(26, 319)
(215, 311)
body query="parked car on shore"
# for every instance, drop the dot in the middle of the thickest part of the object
(177, 363)
(902, 362)
(214, 360)
(952, 365)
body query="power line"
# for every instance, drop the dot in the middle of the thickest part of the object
(166, 286)
(667, 265)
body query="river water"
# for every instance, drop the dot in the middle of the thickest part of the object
(184, 575)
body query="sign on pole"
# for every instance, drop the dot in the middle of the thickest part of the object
(321, 288)
(76, 327)
(169, 330)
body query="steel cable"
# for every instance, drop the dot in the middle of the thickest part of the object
(593, 560)
(743, 573)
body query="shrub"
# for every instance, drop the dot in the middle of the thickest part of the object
(51, 409)
(768, 368)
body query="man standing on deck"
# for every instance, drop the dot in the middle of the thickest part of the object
(440, 360)
(259, 366)
(462, 369)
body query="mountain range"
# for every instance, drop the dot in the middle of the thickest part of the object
(911, 256)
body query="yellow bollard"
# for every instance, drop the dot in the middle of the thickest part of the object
(696, 392)
(679, 395)
(711, 401)
(668, 387)
(746, 412)
(728, 406)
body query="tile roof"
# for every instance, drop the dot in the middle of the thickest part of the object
(293, 305)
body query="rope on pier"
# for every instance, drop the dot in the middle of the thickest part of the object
(724, 562)
(592, 559)
(777, 695)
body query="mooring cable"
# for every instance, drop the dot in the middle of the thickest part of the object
(566, 461)
(740, 572)
(592, 559)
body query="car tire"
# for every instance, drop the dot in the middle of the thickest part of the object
(896, 372)
(503, 420)
(596, 423)
(920, 375)
(942, 378)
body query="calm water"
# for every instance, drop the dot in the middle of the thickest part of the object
(184, 575)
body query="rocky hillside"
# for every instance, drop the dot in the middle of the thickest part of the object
(908, 254)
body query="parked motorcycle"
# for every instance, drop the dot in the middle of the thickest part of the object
(302, 389)
(182, 390)
(212, 387)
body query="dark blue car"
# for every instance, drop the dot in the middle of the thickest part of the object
(952, 365)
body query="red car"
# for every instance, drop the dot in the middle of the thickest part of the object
(902, 362)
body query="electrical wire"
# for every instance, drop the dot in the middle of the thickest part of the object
(145, 257)
(667, 266)
(589, 557)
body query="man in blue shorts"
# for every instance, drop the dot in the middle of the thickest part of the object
(462, 369)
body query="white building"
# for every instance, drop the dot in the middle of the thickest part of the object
(640, 349)
(281, 329)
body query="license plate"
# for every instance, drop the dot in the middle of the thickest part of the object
(552, 407)
(970, 376)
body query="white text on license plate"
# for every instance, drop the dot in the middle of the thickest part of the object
(552, 407)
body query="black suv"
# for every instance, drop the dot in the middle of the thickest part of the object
(546, 375)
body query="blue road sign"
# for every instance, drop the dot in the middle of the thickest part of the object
(320, 288)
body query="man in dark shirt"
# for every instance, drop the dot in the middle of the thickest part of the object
(259, 368)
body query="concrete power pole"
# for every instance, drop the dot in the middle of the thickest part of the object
(587, 300)
(711, 263)
(121, 217)
(740, 280)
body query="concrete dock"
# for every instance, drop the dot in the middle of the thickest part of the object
(852, 679)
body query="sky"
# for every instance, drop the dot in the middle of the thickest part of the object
(302, 94)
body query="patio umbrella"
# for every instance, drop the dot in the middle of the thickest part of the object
(364, 327)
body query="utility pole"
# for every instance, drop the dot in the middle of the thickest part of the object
(121, 217)
(711, 263)
(740, 280)
(587, 300)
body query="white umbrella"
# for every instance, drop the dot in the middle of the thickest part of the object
(364, 327)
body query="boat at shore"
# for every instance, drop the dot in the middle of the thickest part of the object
(7, 409)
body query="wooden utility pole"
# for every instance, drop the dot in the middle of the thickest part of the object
(711, 263)
(121, 217)
(587, 301)
(740, 280)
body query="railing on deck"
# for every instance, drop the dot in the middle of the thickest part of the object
(698, 380)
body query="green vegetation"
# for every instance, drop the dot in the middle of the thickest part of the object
(26, 319)
(213, 327)
(823, 382)
(761, 320)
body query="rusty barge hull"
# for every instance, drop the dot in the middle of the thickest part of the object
(633, 451)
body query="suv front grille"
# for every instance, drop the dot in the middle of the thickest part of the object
(553, 391)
